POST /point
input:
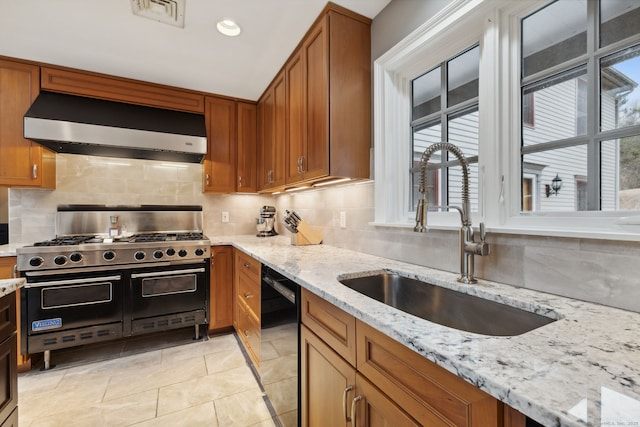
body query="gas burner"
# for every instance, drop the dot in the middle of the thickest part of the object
(65, 241)
(190, 236)
(152, 237)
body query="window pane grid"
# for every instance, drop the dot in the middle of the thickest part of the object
(573, 94)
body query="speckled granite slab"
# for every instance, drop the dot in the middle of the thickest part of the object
(581, 370)
(8, 286)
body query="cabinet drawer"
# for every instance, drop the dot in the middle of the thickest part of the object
(248, 266)
(336, 327)
(249, 332)
(426, 391)
(249, 294)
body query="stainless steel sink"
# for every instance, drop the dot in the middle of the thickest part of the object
(445, 306)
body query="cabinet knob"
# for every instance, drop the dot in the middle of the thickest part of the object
(246, 265)
(248, 295)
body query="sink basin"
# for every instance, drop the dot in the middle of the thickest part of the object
(445, 306)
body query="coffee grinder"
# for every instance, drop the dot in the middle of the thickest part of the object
(266, 223)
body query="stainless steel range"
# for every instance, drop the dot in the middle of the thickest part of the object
(114, 272)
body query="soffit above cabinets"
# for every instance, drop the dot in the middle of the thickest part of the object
(106, 37)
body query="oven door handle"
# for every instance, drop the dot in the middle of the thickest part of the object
(72, 281)
(167, 273)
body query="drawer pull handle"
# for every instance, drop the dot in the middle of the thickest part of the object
(206, 178)
(246, 333)
(344, 402)
(34, 172)
(248, 295)
(353, 410)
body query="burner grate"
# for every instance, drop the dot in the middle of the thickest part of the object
(65, 241)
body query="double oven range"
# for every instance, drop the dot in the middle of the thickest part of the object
(89, 285)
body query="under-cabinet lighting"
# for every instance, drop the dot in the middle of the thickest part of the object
(331, 182)
(289, 190)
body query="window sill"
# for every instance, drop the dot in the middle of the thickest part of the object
(627, 232)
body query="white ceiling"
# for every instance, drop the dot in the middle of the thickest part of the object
(106, 37)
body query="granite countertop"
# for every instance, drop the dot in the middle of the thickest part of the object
(8, 286)
(10, 249)
(583, 369)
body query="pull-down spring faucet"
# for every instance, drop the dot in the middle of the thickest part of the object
(468, 247)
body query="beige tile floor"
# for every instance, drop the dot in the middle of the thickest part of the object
(145, 383)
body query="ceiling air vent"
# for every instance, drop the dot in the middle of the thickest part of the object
(167, 11)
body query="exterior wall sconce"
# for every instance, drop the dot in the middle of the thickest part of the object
(554, 188)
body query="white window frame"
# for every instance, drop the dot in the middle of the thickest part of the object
(495, 25)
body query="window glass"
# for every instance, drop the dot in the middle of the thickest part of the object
(422, 138)
(620, 191)
(565, 165)
(553, 35)
(619, 91)
(618, 20)
(462, 77)
(558, 108)
(456, 122)
(426, 91)
(463, 133)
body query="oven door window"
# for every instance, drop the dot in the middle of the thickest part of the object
(153, 287)
(76, 295)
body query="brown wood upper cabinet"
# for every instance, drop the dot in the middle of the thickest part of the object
(328, 94)
(120, 89)
(230, 163)
(247, 146)
(271, 135)
(23, 163)
(219, 172)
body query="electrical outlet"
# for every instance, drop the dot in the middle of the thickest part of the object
(225, 216)
(343, 219)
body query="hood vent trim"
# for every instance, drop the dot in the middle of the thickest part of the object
(80, 125)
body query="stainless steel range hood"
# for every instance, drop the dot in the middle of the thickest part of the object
(75, 124)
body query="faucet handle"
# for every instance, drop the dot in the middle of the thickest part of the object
(483, 233)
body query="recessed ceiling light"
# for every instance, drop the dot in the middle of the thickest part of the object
(228, 27)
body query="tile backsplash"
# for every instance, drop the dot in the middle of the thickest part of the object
(594, 270)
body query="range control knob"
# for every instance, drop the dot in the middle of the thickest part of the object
(75, 257)
(199, 252)
(171, 252)
(109, 255)
(139, 255)
(36, 261)
(158, 254)
(182, 253)
(60, 260)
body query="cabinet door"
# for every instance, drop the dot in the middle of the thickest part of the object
(220, 161)
(221, 290)
(372, 408)
(23, 163)
(7, 265)
(316, 68)
(272, 133)
(247, 138)
(296, 119)
(327, 383)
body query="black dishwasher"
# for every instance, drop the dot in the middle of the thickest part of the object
(279, 347)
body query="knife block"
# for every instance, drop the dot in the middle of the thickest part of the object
(306, 235)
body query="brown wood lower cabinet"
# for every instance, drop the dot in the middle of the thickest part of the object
(7, 266)
(221, 289)
(387, 385)
(8, 358)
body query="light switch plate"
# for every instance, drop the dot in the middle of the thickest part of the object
(343, 219)
(225, 216)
